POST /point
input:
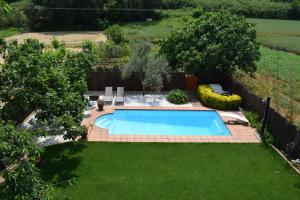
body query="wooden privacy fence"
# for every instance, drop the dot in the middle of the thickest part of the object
(283, 131)
(97, 81)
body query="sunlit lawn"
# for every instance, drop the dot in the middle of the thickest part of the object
(168, 171)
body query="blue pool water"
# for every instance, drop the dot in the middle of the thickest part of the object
(161, 122)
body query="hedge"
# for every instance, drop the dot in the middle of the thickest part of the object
(217, 101)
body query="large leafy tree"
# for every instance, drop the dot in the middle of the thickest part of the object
(152, 71)
(20, 179)
(216, 43)
(5, 6)
(53, 82)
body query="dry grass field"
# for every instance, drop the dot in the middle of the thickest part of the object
(71, 39)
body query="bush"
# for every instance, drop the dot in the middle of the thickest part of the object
(178, 97)
(115, 34)
(198, 12)
(217, 101)
(113, 50)
(15, 18)
(256, 122)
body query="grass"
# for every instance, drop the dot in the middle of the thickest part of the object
(6, 32)
(168, 171)
(286, 67)
(271, 32)
(279, 33)
(152, 31)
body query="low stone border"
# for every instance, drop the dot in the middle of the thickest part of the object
(285, 158)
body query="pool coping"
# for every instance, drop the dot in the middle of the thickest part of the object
(239, 133)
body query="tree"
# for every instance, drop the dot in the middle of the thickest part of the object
(18, 154)
(215, 43)
(152, 71)
(5, 6)
(53, 82)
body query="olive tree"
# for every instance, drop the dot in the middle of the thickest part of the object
(18, 154)
(151, 70)
(215, 43)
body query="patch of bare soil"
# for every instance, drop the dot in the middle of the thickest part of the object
(72, 39)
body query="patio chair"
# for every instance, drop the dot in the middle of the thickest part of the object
(237, 119)
(108, 96)
(120, 95)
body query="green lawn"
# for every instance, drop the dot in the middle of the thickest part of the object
(281, 33)
(168, 171)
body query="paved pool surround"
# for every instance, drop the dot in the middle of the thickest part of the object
(239, 133)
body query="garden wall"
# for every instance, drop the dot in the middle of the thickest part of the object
(283, 131)
(99, 80)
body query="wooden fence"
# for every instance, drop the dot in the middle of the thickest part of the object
(99, 80)
(283, 131)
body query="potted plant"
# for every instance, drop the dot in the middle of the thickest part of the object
(100, 103)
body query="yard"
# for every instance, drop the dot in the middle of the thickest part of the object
(168, 171)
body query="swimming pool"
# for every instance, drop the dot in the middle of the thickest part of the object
(163, 122)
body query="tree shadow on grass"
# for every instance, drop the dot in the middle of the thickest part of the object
(59, 163)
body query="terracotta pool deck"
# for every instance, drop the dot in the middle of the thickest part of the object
(239, 133)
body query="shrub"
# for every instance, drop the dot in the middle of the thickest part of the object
(115, 34)
(113, 50)
(217, 101)
(197, 12)
(178, 97)
(256, 122)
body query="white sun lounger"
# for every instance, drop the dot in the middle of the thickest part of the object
(217, 88)
(120, 95)
(237, 118)
(108, 96)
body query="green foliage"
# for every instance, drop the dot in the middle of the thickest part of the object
(254, 119)
(295, 10)
(217, 101)
(5, 7)
(58, 79)
(18, 153)
(151, 70)
(290, 151)
(178, 97)
(198, 12)
(113, 50)
(256, 122)
(87, 18)
(115, 34)
(155, 72)
(216, 43)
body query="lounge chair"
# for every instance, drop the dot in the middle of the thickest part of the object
(108, 96)
(120, 95)
(237, 119)
(217, 88)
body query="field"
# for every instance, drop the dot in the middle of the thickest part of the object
(71, 39)
(279, 33)
(168, 171)
(285, 66)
